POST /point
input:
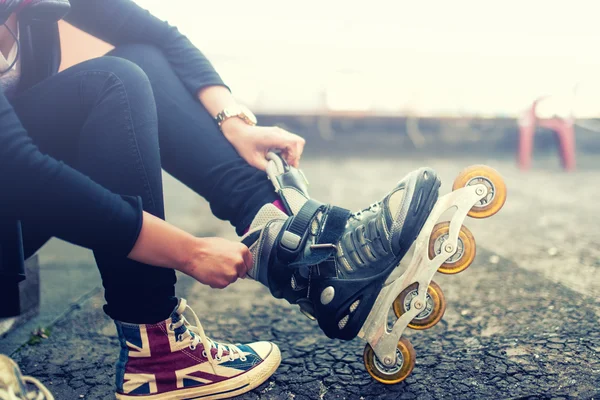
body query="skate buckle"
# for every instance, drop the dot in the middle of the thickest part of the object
(290, 240)
(323, 246)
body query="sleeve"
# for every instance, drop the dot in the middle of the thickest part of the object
(37, 187)
(124, 22)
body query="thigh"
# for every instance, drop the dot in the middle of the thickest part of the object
(81, 117)
(99, 117)
(193, 149)
(53, 124)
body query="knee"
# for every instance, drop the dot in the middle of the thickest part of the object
(116, 81)
(125, 73)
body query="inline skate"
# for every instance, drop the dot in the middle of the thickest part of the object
(343, 268)
(329, 261)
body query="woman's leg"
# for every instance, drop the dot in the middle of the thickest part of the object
(100, 118)
(194, 150)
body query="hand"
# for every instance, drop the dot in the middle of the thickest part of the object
(217, 262)
(254, 142)
(213, 261)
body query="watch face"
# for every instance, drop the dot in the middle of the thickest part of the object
(249, 114)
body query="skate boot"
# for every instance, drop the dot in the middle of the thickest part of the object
(329, 261)
(343, 268)
(175, 360)
(15, 386)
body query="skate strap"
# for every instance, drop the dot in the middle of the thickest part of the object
(297, 229)
(334, 224)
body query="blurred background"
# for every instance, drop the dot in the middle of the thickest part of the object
(436, 74)
(460, 58)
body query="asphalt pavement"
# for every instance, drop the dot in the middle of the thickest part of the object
(521, 323)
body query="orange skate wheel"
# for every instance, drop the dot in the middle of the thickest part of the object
(433, 309)
(496, 195)
(465, 252)
(405, 362)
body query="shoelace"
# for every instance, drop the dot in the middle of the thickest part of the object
(365, 249)
(42, 393)
(197, 335)
(372, 208)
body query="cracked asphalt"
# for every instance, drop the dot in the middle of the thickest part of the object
(521, 323)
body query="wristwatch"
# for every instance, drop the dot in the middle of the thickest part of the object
(239, 111)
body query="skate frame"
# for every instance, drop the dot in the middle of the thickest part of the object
(420, 270)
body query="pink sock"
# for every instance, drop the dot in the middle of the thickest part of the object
(276, 203)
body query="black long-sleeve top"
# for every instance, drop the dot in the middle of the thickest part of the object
(33, 184)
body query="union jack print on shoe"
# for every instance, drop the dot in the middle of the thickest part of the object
(175, 360)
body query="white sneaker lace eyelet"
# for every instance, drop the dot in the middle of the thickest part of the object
(243, 359)
(231, 359)
(179, 337)
(171, 327)
(192, 347)
(218, 358)
(204, 354)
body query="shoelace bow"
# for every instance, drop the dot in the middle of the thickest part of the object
(197, 335)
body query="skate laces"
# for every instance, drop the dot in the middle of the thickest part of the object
(365, 244)
(197, 335)
(358, 215)
(42, 393)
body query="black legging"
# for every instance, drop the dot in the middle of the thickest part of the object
(119, 119)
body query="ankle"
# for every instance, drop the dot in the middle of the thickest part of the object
(149, 313)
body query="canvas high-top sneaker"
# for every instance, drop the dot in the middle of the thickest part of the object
(176, 360)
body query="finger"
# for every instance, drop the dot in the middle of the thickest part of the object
(248, 261)
(218, 285)
(287, 142)
(295, 162)
(280, 143)
(240, 269)
(260, 162)
(290, 154)
(297, 145)
(300, 150)
(295, 153)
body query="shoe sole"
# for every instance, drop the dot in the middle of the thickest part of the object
(221, 390)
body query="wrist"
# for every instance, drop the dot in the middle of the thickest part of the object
(162, 244)
(189, 248)
(232, 127)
